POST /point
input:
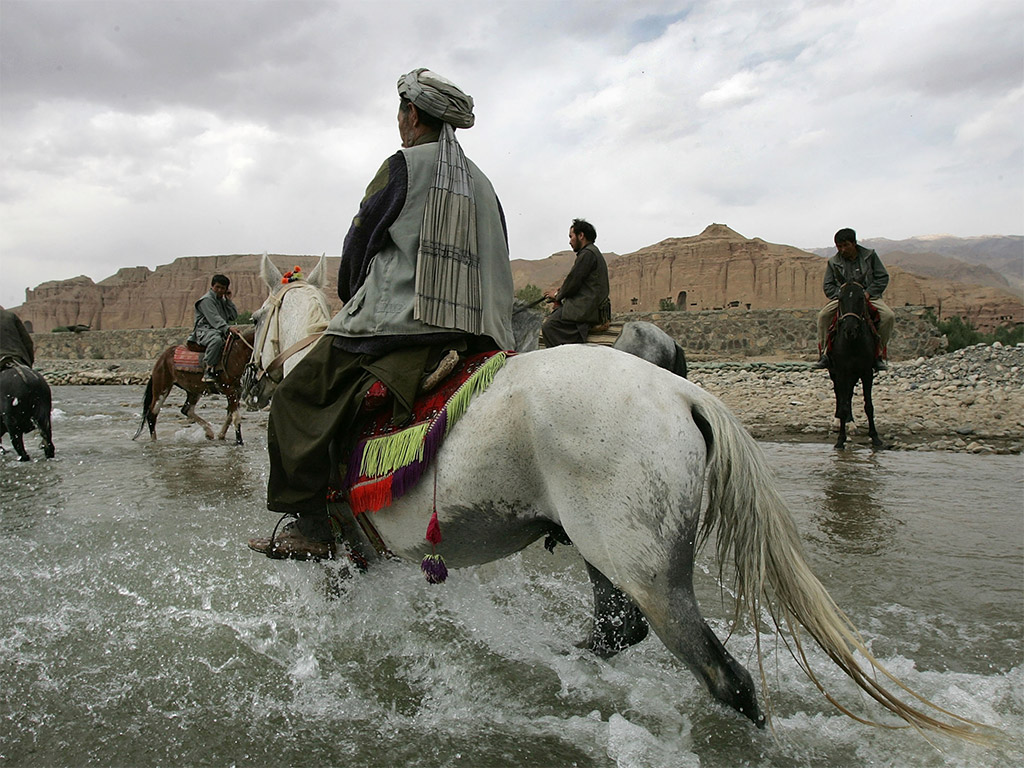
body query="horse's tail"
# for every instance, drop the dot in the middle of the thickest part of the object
(756, 533)
(147, 402)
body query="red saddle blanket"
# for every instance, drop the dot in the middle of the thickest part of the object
(389, 459)
(188, 360)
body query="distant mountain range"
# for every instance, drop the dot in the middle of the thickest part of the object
(977, 278)
(996, 261)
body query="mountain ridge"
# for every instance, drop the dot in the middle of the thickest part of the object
(716, 269)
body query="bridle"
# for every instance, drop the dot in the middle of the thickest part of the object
(859, 316)
(256, 375)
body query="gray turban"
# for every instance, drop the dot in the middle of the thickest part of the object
(437, 96)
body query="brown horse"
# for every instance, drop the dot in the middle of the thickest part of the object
(166, 375)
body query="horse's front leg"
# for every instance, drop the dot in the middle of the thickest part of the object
(869, 409)
(233, 416)
(18, 441)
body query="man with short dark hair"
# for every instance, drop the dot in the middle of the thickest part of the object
(857, 264)
(582, 301)
(214, 313)
(424, 275)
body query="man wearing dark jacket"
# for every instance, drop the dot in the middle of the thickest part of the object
(854, 263)
(582, 301)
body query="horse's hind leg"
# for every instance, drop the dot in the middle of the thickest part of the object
(45, 430)
(675, 616)
(658, 577)
(618, 623)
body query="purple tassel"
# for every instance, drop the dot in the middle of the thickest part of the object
(434, 569)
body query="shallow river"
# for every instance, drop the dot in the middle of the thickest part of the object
(136, 629)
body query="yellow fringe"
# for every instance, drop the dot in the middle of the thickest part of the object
(383, 455)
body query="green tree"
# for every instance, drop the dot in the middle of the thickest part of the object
(961, 332)
(667, 305)
(244, 318)
(529, 293)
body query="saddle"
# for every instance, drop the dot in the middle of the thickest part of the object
(188, 357)
(872, 319)
(388, 458)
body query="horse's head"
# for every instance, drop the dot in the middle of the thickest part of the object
(852, 300)
(853, 310)
(526, 322)
(292, 311)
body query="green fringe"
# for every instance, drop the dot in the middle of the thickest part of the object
(383, 455)
(480, 381)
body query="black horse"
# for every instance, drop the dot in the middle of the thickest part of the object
(852, 359)
(25, 403)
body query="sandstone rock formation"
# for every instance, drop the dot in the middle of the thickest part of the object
(718, 268)
(136, 297)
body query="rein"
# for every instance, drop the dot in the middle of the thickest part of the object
(255, 371)
(531, 305)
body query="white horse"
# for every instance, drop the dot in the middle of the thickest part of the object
(288, 323)
(603, 449)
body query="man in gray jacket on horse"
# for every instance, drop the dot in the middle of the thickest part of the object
(424, 275)
(214, 314)
(857, 264)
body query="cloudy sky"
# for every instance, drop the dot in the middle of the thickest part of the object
(136, 132)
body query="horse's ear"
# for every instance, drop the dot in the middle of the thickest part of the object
(271, 275)
(317, 276)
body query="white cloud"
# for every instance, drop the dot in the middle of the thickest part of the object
(133, 133)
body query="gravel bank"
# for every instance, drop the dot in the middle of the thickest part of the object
(970, 400)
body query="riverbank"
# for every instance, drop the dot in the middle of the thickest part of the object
(971, 400)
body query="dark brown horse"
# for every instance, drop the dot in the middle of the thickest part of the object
(166, 375)
(852, 359)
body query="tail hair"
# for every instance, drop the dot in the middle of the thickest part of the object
(147, 401)
(755, 533)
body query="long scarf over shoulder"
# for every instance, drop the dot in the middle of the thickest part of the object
(448, 292)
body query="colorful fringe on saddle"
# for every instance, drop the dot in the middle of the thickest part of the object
(387, 462)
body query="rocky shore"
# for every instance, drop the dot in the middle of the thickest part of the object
(971, 400)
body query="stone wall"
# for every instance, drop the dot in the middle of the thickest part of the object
(789, 334)
(731, 334)
(108, 345)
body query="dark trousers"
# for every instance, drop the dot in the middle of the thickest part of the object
(557, 331)
(319, 402)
